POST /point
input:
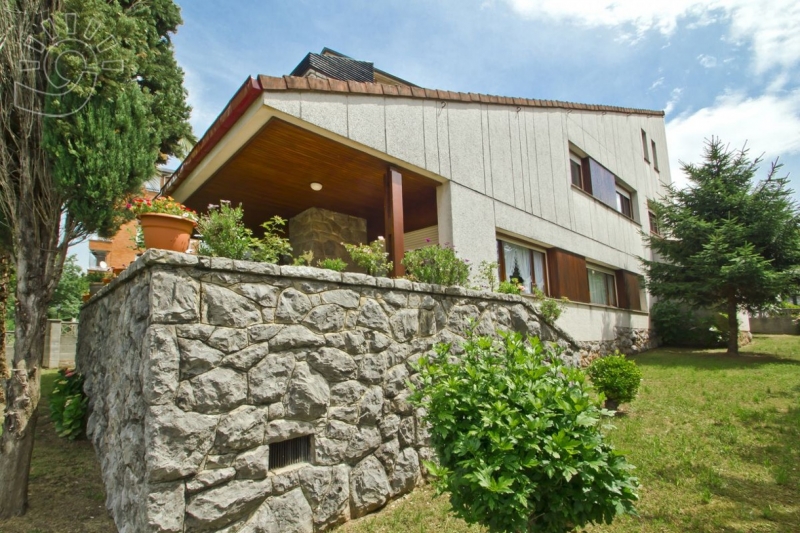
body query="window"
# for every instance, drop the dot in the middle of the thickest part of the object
(290, 452)
(576, 170)
(525, 265)
(644, 146)
(655, 154)
(602, 288)
(624, 204)
(653, 223)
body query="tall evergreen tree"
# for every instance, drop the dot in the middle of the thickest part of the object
(77, 135)
(727, 241)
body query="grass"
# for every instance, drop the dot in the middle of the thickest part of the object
(65, 493)
(716, 440)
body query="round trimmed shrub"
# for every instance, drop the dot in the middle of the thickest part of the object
(517, 437)
(439, 265)
(616, 377)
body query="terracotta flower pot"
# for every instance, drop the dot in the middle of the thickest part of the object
(168, 232)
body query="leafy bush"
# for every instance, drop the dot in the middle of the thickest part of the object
(225, 235)
(164, 205)
(371, 257)
(616, 377)
(509, 287)
(68, 404)
(332, 264)
(518, 438)
(436, 264)
(679, 326)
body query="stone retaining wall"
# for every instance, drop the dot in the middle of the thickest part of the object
(196, 367)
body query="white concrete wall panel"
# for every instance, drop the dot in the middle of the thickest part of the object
(501, 165)
(405, 131)
(466, 145)
(473, 226)
(366, 121)
(515, 123)
(327, 111)
(431, 135)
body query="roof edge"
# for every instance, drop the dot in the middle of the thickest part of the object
(293, 83)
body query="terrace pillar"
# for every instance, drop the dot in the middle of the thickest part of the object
(393, 217)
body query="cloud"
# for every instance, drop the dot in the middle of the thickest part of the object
(707, 61)
(769, 25)
(674, 98)
(656, 84)
(769, 124)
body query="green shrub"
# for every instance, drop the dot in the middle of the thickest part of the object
(487, 273)
(616, 377)
(549, 308)
(509, 287)
(371, 257)
(304, 259)
(679, 326)
(439, 265)
(337, 264)
(225, 235)
(517, 435)
(68, 404)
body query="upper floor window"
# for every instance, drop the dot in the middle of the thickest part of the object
(655, 154)
(653, 220)
(602, 286)
(624, 204)
(523, 265)
(579, 173)
(644, 146)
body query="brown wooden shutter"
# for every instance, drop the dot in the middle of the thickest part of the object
(586, 175)
(628, 290)
(568, 275)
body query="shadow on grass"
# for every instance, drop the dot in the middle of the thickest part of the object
(709, 359)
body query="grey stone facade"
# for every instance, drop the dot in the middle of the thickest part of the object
(196, 367)
(322, 231)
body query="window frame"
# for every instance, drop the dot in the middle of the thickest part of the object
(645, 148)
(623, 193)
(655, 155)
(501, 262)
(575, 159)
(612, 297)
(652, 220)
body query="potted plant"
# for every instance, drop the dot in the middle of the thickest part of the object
(165, 223)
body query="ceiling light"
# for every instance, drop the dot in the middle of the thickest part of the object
(316, 186)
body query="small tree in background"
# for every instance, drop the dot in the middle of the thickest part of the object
(726, 241)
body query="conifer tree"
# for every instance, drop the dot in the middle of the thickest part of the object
(77, 134)
(727, 241)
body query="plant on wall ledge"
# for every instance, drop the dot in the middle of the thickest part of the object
(439, 265)
(336, 264)
(225, 235)
(509, 287)
(549, 308)
(371, 257)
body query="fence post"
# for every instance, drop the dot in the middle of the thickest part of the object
(52, 346)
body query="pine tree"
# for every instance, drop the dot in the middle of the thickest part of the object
(726, 241)
(76, 136)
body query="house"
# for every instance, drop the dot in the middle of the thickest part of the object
(555, 192)
(120, 250)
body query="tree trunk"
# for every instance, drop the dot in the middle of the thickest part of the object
(733, 327)
(5, 268)
(24, 386)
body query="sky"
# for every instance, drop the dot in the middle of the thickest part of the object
(726, 68)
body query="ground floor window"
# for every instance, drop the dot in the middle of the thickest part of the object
(602, 288)
(523, 264)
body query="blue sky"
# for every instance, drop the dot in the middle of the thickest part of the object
(718, 67)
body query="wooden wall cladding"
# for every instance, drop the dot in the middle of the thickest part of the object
(628, 290)
(568, 275)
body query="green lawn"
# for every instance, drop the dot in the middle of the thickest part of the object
(716, 441)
